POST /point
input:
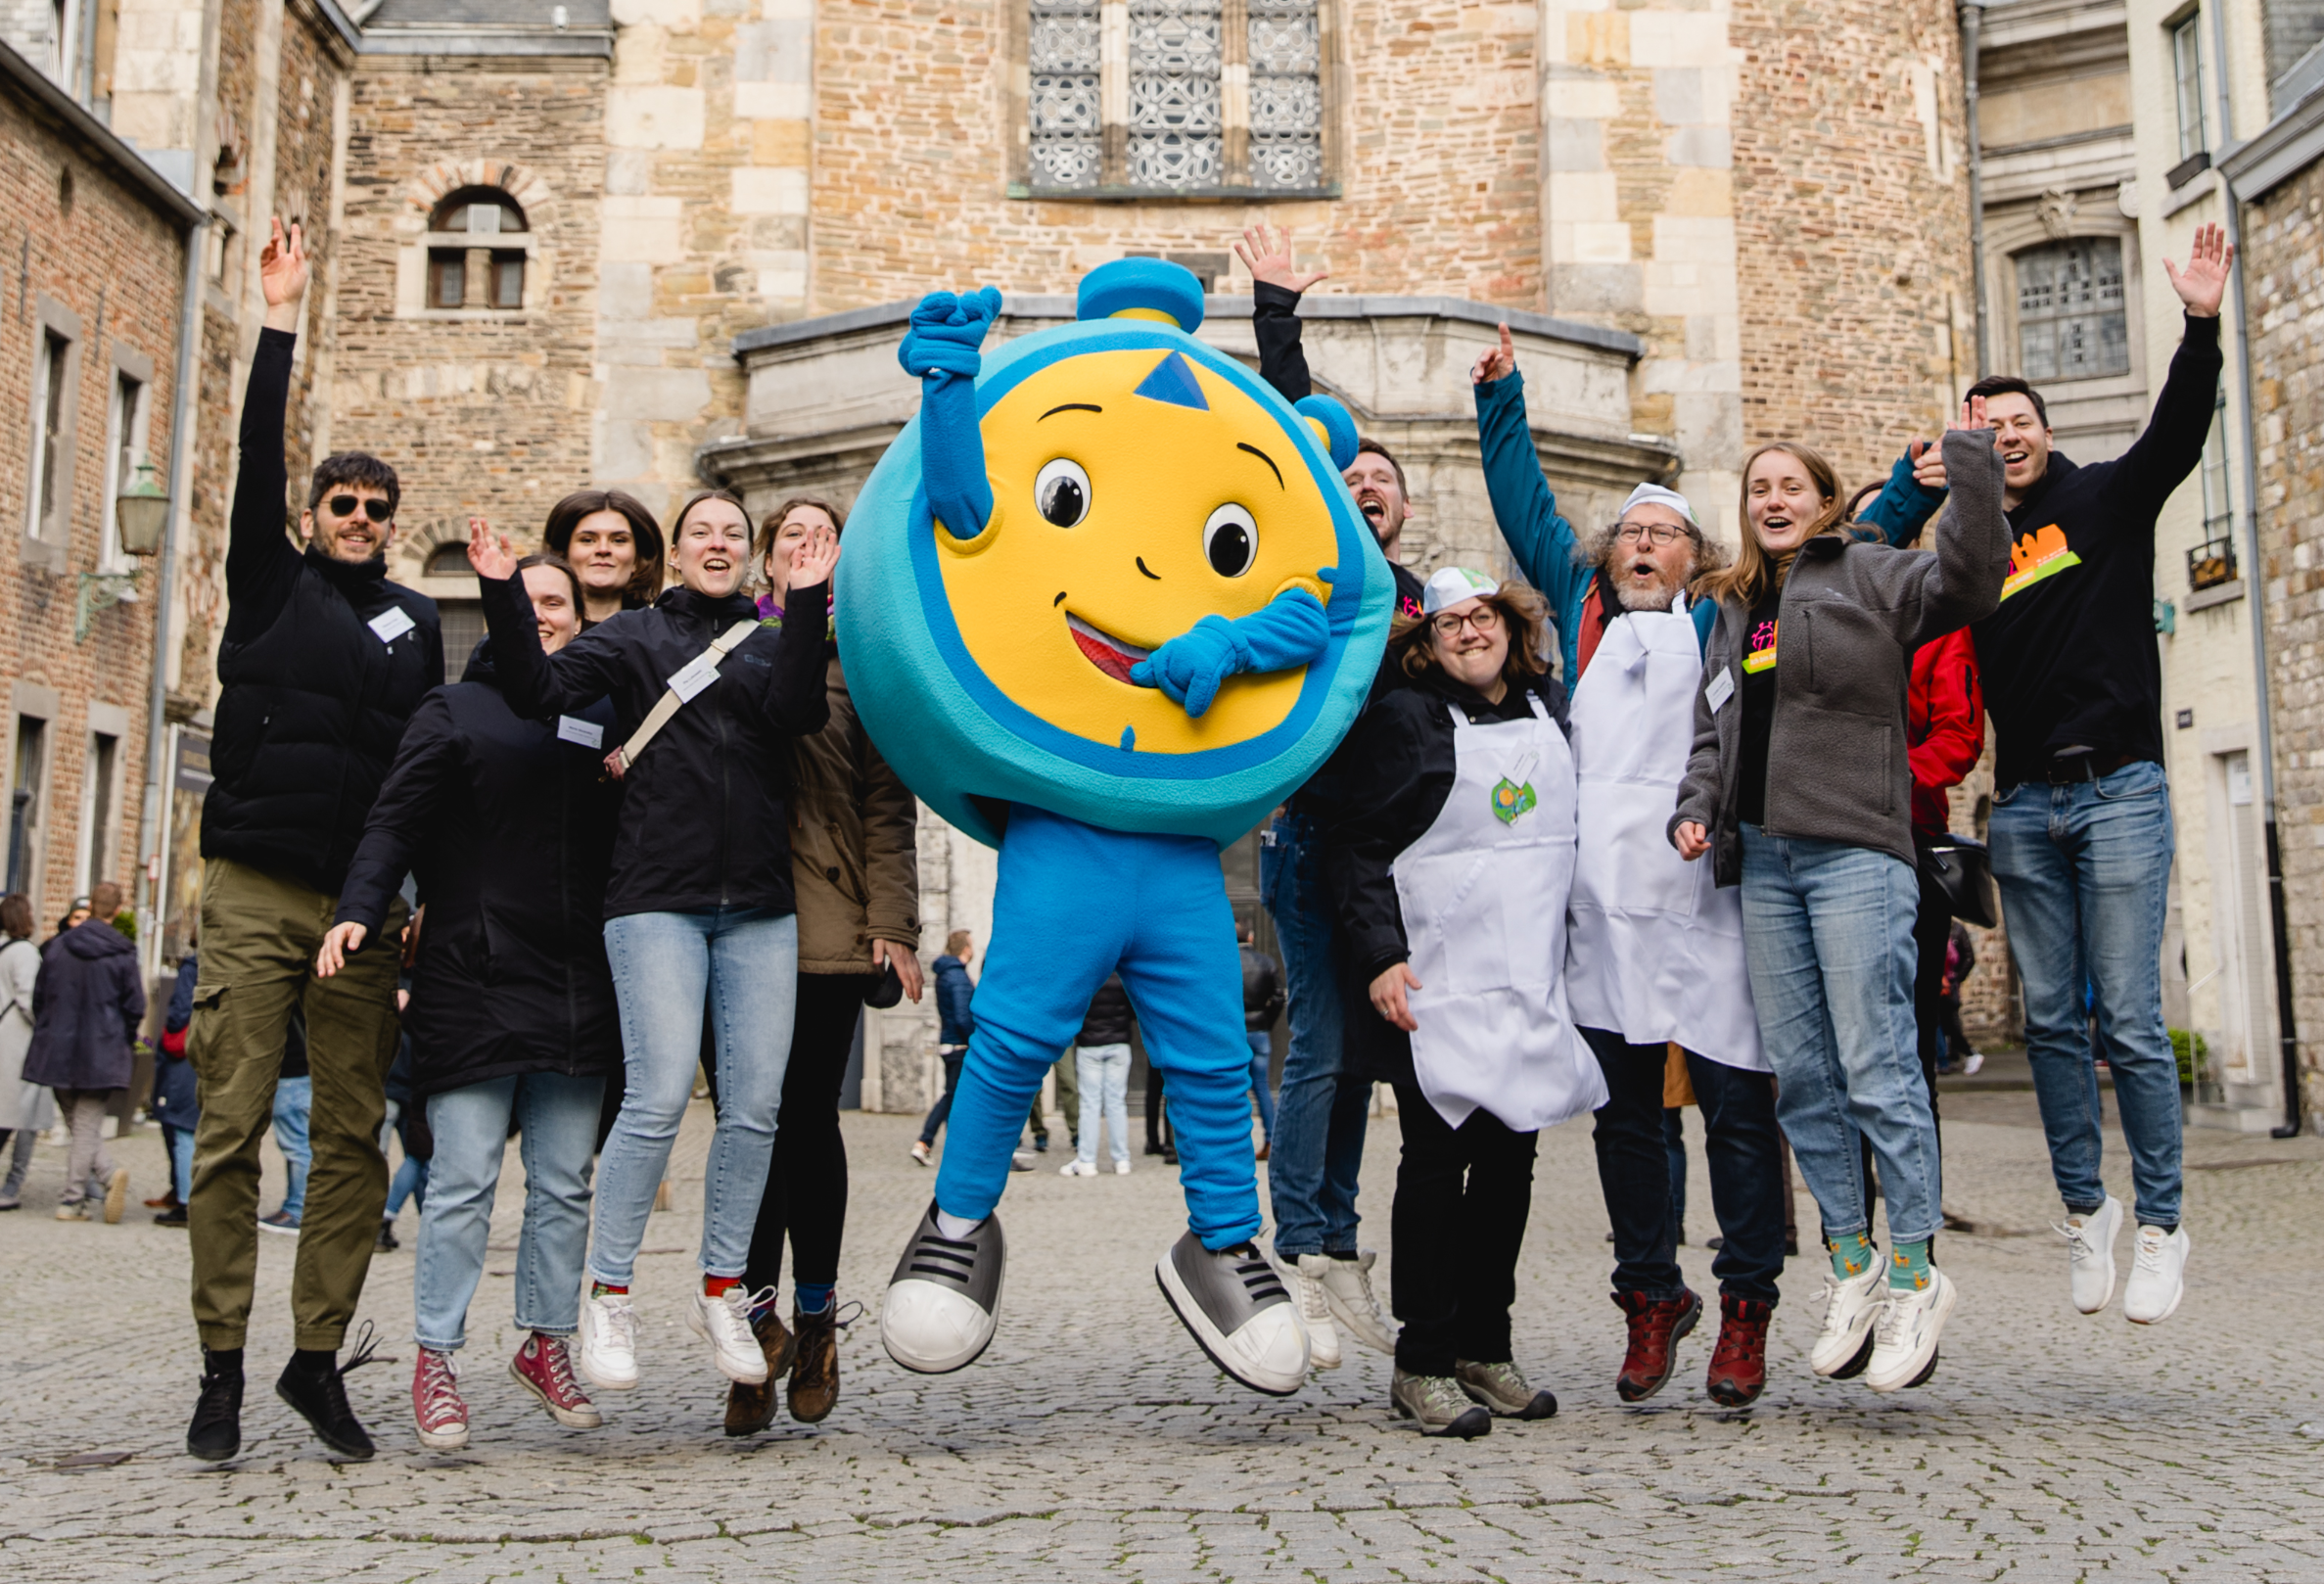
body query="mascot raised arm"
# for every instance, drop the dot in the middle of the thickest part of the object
(1106, 603)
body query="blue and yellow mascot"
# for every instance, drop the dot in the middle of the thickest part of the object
(1106, 603)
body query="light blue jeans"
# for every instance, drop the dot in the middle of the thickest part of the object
(293, 1105)
(1828, 938)
(181, 1160)
(748, 960)
(558, 1120)
(1103, 1073)
(1316, 1147)
(2084, 870)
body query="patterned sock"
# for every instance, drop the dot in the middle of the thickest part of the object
(600, 1289)
(715, 1286)
(1851, 1254)
(812, 1297)
(1908, 1266)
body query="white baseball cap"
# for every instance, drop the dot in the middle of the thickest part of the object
(1654, 494)
(1450, 586)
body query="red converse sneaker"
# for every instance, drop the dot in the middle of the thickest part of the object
(1656, 1327)
(1739, 1364)
(544, 1368)
(435, 1405)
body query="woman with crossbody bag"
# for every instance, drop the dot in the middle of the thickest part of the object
(708, 704)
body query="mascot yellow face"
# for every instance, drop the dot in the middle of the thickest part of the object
(1129, 501)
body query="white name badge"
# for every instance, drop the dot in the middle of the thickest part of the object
(695, 675)
(572, 729)
(1720, 690)
(392, 624)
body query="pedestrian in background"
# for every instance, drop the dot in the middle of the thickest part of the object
(1101, 1059)
(1961, 960)
(954, 1023)
(85, 1009)
(25, 1108)
(294, 1116)
(176, 1091)
(1261, 1004)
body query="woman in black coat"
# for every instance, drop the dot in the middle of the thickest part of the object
(509, 826)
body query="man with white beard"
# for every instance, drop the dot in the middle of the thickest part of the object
(1655, 956)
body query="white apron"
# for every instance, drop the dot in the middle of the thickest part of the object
(1655, 949)
(1483, 899)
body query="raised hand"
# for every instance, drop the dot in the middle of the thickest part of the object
(1497, 363)
(946, 332)
(814, 557)
(2203, 281)
(1267, 254)
(488, 554)
(1972, 415)
(1928, 465)
(282, 274)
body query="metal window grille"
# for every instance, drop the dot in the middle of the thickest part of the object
(2072, 323)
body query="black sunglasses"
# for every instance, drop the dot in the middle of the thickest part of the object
(378, 511)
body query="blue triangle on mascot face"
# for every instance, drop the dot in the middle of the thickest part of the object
(1173, 382)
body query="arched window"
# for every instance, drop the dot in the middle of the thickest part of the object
(478, 274)
(449, 560)
(2071, 319)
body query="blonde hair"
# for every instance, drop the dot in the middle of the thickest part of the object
(1754, 572)
(1525, 616)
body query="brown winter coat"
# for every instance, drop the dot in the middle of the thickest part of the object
(855, 860)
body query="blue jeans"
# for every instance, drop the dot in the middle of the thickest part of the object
(942, 1110)
(1103, 1073)
(1262, 1047)
(1828, 937)
(2084, 869)
(1315, 1149)
(294, 1104)
(181, 1160)
(748, 960)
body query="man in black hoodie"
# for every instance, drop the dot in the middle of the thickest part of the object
(322, 662)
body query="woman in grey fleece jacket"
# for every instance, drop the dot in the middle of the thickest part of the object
(1799, 788)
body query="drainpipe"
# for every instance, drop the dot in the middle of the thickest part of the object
(2256, 591)
(1973, 18)
(184, 404)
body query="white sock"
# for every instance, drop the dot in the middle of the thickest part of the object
(956, 1227)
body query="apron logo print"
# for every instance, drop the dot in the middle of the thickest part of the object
(1510, 800)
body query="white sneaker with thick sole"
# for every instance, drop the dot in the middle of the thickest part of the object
(1235, 1304)
(1121, 1168)
(608, 1355)
(1844, 1344)
(1904, 1336)
(1078, 1168)
(1315, 1310)
(2090, 1253)
(943, 1301)
(2157, 1275)
(724, 1323)
(1347, 1290)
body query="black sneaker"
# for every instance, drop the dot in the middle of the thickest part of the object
(217, 1431)
(1235, 1306)
(385, 1242)
(320, 1397)
(174, 1216)
(943, 1301)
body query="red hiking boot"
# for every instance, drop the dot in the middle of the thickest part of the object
(1656, 1327)
(1739, 1364)
(543, 1367)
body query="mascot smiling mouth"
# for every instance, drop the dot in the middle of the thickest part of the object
(1109, 654)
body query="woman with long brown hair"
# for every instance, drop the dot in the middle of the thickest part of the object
(614, 544)
(25, 1108)
(1799, 786)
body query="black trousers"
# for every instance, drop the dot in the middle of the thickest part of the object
(1463, 1196)
(1158, 1132)
(1932, 931)
(807, 1178)
(1741, 1143)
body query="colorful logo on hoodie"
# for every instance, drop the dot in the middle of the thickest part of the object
(1510, 800)
(1760, 655)
(2040, 554)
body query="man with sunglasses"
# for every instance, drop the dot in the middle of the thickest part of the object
(321, 664)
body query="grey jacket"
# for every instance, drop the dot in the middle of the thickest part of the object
(1836, 753)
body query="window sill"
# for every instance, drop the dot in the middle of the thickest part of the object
(2202, 599)
(1171, 195)
(470, 315)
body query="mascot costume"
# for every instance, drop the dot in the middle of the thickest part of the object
(1106, 603)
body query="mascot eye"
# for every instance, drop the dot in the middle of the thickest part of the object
(1230, 540)
(1061, 491)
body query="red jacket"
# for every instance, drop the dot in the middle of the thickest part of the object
(1945, 724)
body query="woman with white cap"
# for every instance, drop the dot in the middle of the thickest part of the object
(1451, 885)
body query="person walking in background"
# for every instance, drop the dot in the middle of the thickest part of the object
(855, 868)
(614, 546)
(1101, 1059)
(1262, 1004)
(294, 1112)
(407, 1123)
(86, 1006)
(25, 1108)
(176, 1091)
(1961, 960)
(321, 663)
(954, 1023)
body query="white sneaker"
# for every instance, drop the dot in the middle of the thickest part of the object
(1904, 1335)
(1235, 1304)
(725, 1322)
(1122, 1168)
(1347, 1290)
(2090, 1253)
(1971, 1064)
(608, 1355)
(1078, 1168)
(1850, 1307)
(2158, 1276)
(1315, 1310)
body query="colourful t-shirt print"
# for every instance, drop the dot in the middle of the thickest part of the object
(2040, 554)
(1759, 654)
(1408, 608)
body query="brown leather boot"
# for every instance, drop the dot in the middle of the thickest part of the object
(750, 1408)
(1739, 1364)
(815, 1376)
(1656, 1327)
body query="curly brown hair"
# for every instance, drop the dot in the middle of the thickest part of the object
(1525, 616)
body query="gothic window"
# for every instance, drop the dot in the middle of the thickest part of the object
(464, 269)
(1165, 97)
(2072, 323)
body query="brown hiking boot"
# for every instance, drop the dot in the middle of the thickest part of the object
(1739, 1364)
(750, 1409)
(1656, 1327)
(815, 1376)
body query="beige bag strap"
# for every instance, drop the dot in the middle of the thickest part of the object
(617, 762)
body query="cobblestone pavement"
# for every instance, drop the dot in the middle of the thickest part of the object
(1095, 1442)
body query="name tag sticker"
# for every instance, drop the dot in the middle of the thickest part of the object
(392, 624)
(1720, 690)
(572, 729)
(695, 675)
